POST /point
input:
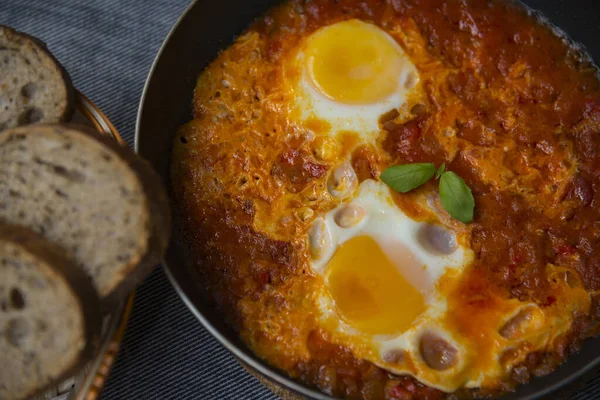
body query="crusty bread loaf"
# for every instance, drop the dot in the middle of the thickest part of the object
(50, 313)
(90, 195)
(34, 86)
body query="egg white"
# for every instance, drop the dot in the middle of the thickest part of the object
(310, 103)
(389, 226)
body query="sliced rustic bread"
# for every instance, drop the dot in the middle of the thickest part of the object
(34, 86)
(90, 195)
(50, 313)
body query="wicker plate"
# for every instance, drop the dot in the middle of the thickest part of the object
(88, 384)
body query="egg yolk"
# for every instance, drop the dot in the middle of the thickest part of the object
(355, 62)
(369, 291)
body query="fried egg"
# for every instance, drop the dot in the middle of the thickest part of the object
(386, 294)
(380, 270)
(349, 74)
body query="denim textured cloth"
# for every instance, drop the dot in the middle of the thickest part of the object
(108, 47)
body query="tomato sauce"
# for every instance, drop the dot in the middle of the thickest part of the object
(510, 106)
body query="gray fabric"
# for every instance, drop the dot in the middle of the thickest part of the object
(108, 47)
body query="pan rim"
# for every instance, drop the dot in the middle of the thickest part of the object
(279, 377)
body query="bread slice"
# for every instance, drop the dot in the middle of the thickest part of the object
(50, 314)
(90, 195)
(35, 88)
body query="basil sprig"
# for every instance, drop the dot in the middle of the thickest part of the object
(406, 177)
(440, 171)
(455, 195)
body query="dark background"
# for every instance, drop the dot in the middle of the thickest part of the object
(108, 47)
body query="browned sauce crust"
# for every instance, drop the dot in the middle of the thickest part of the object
(510, 107)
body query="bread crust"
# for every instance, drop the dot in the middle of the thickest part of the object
(155, 204)
(80, 284)
(158, 206)
(22, 38)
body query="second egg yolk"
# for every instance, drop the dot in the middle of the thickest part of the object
(369, 291)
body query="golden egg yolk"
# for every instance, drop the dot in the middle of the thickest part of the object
(369, 291)
(354, 62)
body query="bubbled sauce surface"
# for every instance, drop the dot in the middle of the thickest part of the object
(509, 106)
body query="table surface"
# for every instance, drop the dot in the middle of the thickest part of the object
(108, 47)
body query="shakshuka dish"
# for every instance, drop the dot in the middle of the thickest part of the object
(397, 199)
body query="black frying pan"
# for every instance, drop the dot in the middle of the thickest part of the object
(207, 27)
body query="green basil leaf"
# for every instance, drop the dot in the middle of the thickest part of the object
(440, 171)
(456, 197)
(406, 177)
